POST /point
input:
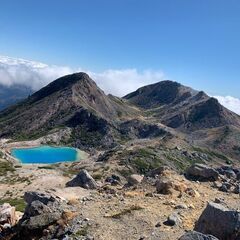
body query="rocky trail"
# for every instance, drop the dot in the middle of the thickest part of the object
(161, 204)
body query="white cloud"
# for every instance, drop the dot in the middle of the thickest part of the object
(121, 82)
(117, 82)
(229, 102)
(29, 73)
(37, 75)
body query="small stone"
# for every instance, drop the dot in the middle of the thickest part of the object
(193, 193)
(6, 226)
(225, 187)
(173, 220)
(218, 200)
(181, 206)
(191, 206)
(158, 225)
(237, 189)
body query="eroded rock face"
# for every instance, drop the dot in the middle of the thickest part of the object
(220, 222)
(202, 172)
(7, 214)
(84, 180)
(192, 235)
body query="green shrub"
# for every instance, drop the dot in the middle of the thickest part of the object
(18, 203)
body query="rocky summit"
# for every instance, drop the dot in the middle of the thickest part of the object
(160, 163)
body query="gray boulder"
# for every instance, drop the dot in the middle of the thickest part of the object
(36, 208)
(164, 185)
(39, 214)
(220, 222)
(41, 221)
(202, 172)
(84, 180)
(192, 235)
(226, 187)
(230, 174)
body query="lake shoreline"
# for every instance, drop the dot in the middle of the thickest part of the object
(8, 147)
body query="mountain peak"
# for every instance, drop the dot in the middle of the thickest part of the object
(161, 93)
(63, 83)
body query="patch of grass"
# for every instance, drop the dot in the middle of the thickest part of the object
(82, 232)
(141, 160)
(6, 167)
(97, 176)
(18, 203)
(178, 162)
(125, 172)
(145, 160)
(142, 165)
(126, 211)
(16, 179)
(68, 172)
(211, 153)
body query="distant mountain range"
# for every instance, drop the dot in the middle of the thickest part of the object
(10, 95)
(165, 110)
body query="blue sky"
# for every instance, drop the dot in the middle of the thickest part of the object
(196, 43)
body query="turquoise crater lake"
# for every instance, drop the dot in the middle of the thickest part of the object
(45, 155)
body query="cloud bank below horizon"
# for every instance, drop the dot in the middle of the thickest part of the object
(229, 102)
(117, 82)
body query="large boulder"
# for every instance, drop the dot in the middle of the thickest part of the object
(202, 172)
(42, 211)
(7, 214)
(164, 185)
(220, 222)
(135, 179)
(169, 184)
(36, 208)
(192, 235)
(84, 180)
(39, 222)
